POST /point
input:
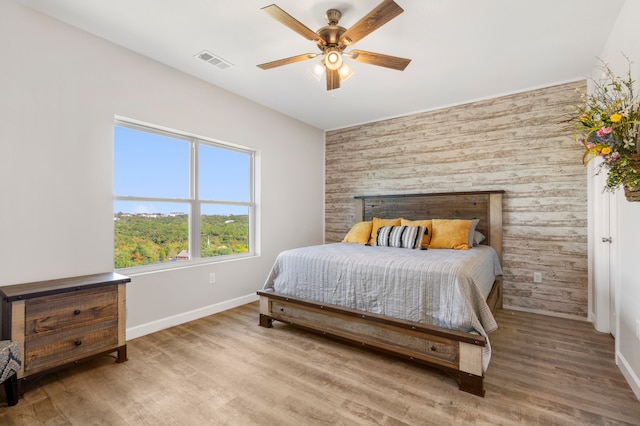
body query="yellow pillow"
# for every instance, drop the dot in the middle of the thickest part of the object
(378, 223)
(426, 239)
(359, 233)
(450, 234)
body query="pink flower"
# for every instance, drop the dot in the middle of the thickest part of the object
(590, 145)
(612, 158)
(603, 132)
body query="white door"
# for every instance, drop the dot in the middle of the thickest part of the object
(602, 207)
(612, 244)
(608, 252)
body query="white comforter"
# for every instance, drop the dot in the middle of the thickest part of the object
(446, 288)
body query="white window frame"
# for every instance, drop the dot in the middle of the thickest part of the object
(194, 214)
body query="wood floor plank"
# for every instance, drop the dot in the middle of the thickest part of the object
(226, 370)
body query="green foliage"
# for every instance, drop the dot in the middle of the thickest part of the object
(143, 240)
(623, 173)
(222, 235)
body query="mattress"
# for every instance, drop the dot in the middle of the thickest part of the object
(441, 287)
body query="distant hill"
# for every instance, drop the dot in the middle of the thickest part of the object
(149, 239)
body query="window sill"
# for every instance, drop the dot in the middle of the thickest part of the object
(185, 264)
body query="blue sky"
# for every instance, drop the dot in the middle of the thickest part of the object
(150, 165)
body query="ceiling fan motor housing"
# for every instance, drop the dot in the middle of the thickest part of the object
(330, 34)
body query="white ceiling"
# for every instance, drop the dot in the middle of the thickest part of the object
(461, 50)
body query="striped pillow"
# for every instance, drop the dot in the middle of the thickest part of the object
(401, 236)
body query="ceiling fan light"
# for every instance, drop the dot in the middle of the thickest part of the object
(317, 71)
(333, 59)
(345, 72)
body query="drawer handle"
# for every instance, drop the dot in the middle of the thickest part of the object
(78, 342)
(76, 312)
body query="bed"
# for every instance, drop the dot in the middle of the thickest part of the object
(312, 287)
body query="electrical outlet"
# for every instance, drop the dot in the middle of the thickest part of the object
(537, 277)
(212, 278)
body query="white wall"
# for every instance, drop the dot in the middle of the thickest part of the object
(60, 89)
(624, 39)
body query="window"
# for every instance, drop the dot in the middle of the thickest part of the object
(179, 197)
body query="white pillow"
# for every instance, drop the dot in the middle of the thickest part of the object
(478, 238)
(472, 231)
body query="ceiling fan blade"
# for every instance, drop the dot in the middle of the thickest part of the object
(333, 79)
(284, 18)
(380, 15)
(286, 61)
(379, 59)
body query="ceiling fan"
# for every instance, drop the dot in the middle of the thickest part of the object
(332, 40)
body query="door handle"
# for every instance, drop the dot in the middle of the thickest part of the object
(607, 240)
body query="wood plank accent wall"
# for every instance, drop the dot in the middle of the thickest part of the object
(517, 143)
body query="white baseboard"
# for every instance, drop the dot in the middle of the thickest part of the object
(161, 324)
(629, 374)
(546, 313)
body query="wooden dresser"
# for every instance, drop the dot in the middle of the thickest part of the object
(60, 322)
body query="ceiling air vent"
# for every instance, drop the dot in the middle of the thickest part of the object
(214, 60)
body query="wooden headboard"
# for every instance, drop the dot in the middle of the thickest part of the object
(483, 205)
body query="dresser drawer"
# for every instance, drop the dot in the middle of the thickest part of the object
(50, 350)
(57, 313)
(65, 327)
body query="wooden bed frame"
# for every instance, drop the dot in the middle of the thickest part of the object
(455, 352)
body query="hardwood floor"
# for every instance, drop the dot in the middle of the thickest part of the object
(226, 370)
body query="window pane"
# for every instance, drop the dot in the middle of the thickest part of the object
(225, 229)
(150, 165)
(150, 233)
(223, 174)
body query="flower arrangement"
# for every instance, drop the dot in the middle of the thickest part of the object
(608, 127)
